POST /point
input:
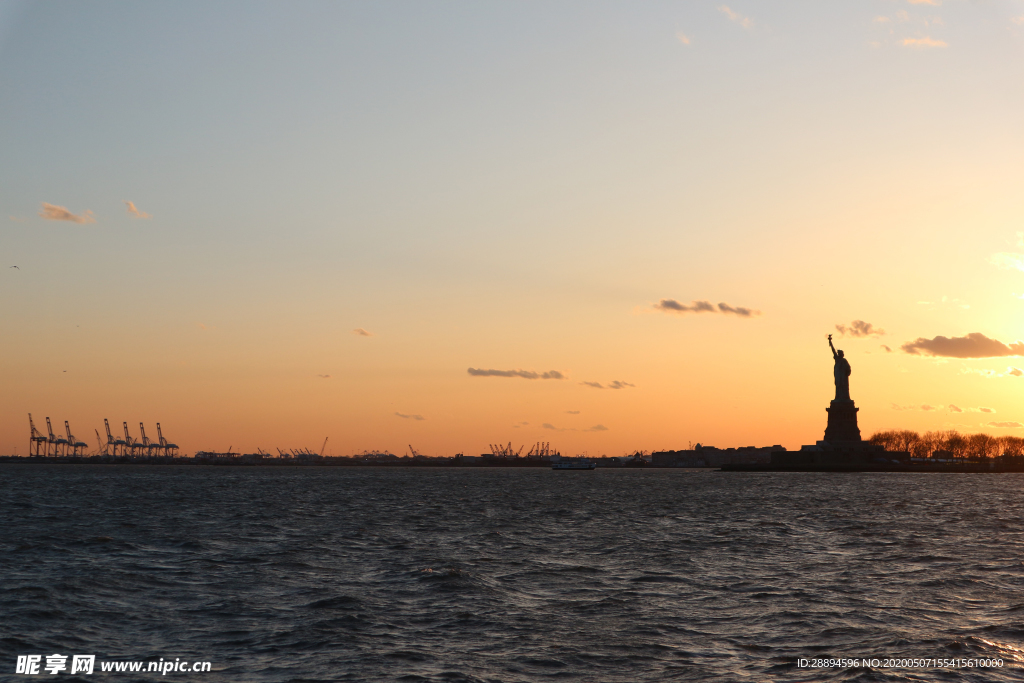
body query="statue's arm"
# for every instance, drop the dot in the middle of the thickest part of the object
(831, 347)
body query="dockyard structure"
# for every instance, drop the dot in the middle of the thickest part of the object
(51, 445)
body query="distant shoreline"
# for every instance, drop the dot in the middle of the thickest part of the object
(922, 468)
(328, 461)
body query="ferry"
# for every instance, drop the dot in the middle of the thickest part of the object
(574, 464)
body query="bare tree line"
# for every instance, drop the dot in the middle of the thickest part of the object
(949, 444)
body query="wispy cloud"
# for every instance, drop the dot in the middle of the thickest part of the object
(974, 345)
(673, 306)
(887, 349)
(16, 219)
(933, 3)
(52, 212)
(525, 374)
(595, 385)
(980, 409)
(992, 374)
(410, 417)
(135, 213)
(1005, 425)
(924, 407)
(1018, 20)
(595, 428)
(324, 376)
(620, 385)
(744, 21)
(1008, 260)
(572, 412)
(927, 41)
(859, 328)
(945, 300)
(360, 332)
(682, 38)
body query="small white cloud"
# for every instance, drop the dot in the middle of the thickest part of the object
(135, 213)
(744, 21)
(933, 3)
(927, 41)
(1005, 425)
(881, 20)
(682, 38)
(1020, 22)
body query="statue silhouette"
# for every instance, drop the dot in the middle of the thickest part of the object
(842, 373)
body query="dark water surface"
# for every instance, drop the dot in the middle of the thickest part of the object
(373, 574)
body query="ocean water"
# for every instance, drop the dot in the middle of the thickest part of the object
(374, 574)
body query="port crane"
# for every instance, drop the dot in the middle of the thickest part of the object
(73, 442)
(56, 441)
(500, 451)
(36, 440)
(540, 449)
(324, 446)
(169, 448)
(112, 443)
(147, 445)
(131, 445)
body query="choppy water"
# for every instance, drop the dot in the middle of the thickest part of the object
(371, 574)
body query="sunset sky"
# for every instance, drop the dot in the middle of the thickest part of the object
(265, 224)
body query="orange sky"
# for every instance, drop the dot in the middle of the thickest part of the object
(200, 225)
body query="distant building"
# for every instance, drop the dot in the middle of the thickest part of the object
(709, 456)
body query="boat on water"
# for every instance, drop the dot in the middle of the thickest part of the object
(573, 464)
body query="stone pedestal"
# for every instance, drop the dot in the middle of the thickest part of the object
(842, 423)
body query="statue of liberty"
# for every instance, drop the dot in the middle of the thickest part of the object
(842, 373)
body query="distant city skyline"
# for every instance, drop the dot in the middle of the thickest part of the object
(609, 226)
